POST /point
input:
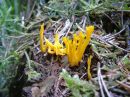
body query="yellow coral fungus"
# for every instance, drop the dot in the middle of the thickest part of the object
(89, 64)
(57, 48)
(75, 48)
(50, 46)
(83, 44)
(42, 46)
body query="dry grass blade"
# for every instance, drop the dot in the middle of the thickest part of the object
(67, 24)
(102, 83)
(125, 86)
(99, 81)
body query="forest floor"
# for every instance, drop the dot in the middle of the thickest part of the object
(27, 71)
